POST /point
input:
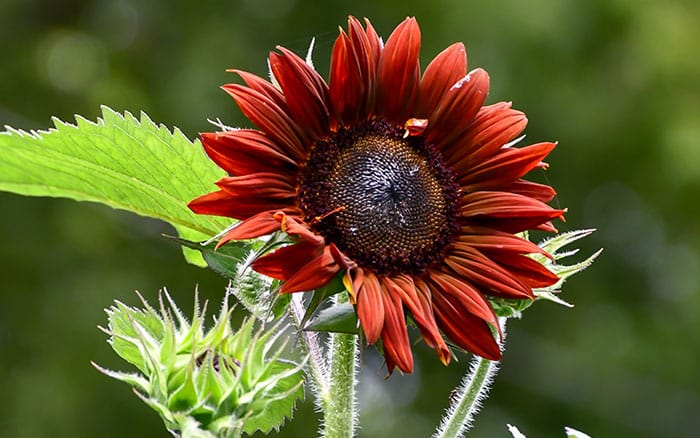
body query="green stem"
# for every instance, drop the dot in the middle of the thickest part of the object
(339, 405)
(472, 390)
(316, 365)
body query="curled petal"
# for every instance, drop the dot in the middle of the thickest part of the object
(414, 127)
(353, 275)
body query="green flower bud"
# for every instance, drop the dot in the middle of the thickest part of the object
(215, 383)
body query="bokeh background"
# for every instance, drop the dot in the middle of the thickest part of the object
(616, 82)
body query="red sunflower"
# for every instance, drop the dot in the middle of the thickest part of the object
(404, 185)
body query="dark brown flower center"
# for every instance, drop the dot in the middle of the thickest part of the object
(387, 202)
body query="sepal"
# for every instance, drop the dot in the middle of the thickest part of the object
(509, 308)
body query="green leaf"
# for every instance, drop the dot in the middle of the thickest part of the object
(339, 318)
(224, 260)
(271, 411)
(120, 161)
(321, 294)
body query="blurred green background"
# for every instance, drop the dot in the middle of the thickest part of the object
(616, 82)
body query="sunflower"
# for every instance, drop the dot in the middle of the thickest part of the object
(407, 186)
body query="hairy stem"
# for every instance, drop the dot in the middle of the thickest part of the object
(316, 365)
(339, 404)
(472, 391)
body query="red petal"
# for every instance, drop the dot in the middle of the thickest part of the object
(464, 329)
(306, 92)
(347, 87)
(367, 47)
(255, 226)
(295, 227)
(270, 118)
(505, 167)
(399, 72)
(491, 241)
(353, 73)
(264, 87)
(261, 185)
(425, 297)
(541, 192)
(222, 203)
(471, 265)
(529, 271)
(494, 126)
(375, 44)
(463, 292)
(241, 152)
(397, 349)
(456, 110)
(353, 276)
(370, 307)
(504, 211)
(547, 226)
(312, 275)
(417, 301)
(238, 206)
(286, 261)
(414, 127)
(448, 67)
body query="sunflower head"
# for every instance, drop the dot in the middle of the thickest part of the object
(405, 184)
